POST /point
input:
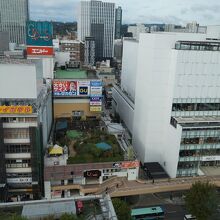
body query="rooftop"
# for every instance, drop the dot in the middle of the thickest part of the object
(70, 74)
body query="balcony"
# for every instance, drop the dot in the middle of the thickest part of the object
(19, 124)
(189, 159)
(16, 140)
(199, 146)
(19, 170)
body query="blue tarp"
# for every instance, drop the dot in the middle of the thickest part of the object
(103, 146)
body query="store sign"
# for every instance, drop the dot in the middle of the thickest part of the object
(211, 158)
(96, 91)
(19, 180)
(40, 51)
(65, 88)
(93, 173)
(130, 164)
(95, 100)
(96, 83)
(95, 108)
(83, 88)
(39, 33)
(16, 110)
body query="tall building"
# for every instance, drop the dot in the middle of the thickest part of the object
(118, 22)
(13, 17)
(169, 100)
(89, 52)
(25, 123)
(97, 19)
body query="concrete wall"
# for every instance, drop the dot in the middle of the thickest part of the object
(18, 81)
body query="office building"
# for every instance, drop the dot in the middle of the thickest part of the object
(118, 22)
(4, 41)
(13, 17)
(25, 123)
(97, 19)
(89, 51)
(169, 100)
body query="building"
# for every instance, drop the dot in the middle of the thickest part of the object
(97, 19)
(118, 22)
(4, 42)
(168, 99)
(72, 91)
(89, 51)
(136, 30)
(13, 18)
(118, 50)
(76, 50)
(25, 124)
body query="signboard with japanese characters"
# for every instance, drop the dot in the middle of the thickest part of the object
(16, 109)
(65, 88)
(96, 101)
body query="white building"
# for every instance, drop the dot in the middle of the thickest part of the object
(25, 124)
(136, 30)
(13, 17)
(97, 19)
(169, 100)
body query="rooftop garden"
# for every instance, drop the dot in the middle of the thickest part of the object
(91, 147)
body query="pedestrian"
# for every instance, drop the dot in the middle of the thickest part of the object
(153, 181)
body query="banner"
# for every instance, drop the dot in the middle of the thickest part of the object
(65, 88)
(96, 83)
(130, 164)
(16, 110)
(95, 100)
(96, 91)
(40, 51)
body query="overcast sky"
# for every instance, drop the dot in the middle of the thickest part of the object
(205, 12)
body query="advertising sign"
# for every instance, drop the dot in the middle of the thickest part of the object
(39, 33)
(40, 51)
(210, 158)
(130, 164)
(96, 91)
(95, 108)
(19, 180)
(92, 173)
(96, 83)
(65, 88)
(95, 100)
(83, 88)
(16, 109)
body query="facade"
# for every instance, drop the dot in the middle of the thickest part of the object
(97, 19)
(13, 18)
(4, 42)
(25, 123)
(89, 52)
(76, 50)
(72, 94)
(118, 22)
(62, 181)
(169, 101)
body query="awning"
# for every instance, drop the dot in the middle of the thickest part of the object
(56, 150)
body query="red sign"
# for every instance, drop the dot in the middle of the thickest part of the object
(40, 51)
(130, 164)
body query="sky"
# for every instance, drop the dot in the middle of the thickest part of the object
(136, 11)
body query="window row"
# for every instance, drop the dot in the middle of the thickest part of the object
(196, 107)
(18, 148)
(16, 133)
(202, 152)
(201, 140)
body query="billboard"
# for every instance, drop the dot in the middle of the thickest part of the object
(93, 173)
(83, 88)
(65, 88)
(96, 83)
(39, 33)
(16, 110)
(95, 100)
(40, 51)
(95, 108)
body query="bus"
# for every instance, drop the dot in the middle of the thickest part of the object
(189, 217)
(148, 213)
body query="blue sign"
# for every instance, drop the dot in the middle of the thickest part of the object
(96, 83)
(95, 99)
(39, 33)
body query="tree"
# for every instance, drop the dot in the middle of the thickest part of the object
(17, 217)
(67, 216)
(201, 200)
(122, 209)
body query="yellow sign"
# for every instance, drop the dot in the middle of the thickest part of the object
(95, 108)
(16, 109)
